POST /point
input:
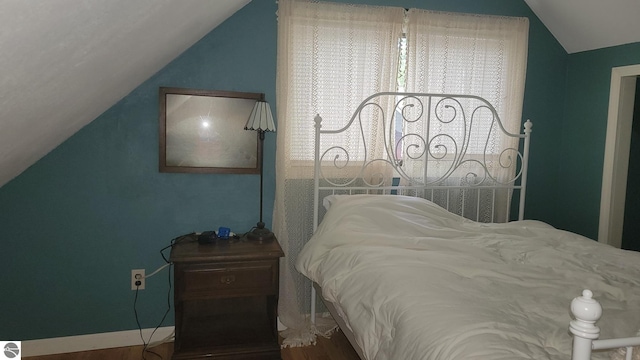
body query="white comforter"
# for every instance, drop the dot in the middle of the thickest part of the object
(414, 281)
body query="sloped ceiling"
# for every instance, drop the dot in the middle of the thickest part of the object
(65, 62)
(581, 25)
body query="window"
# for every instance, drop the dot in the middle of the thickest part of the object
(335, 65)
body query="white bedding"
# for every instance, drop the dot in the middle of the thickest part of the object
(414, 281)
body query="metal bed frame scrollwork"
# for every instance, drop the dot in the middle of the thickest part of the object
(424, 143)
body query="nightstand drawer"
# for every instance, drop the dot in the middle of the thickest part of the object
(229, 279)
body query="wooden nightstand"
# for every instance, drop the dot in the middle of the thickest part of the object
(226, 299)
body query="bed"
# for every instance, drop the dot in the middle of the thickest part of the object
(415, 257)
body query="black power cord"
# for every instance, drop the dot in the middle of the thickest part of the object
(145, 348)
(191, 236)
(144, 343)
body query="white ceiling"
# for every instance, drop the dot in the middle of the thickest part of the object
(65, 62)
(581, 25)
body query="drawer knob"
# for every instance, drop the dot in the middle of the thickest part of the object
(228, 279)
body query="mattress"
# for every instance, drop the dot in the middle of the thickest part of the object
(413, 281)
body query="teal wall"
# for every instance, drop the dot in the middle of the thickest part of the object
(75, 223)
(584, 127)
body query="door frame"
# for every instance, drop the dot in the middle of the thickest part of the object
(616, 154)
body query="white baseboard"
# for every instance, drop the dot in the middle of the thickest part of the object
(70, 344)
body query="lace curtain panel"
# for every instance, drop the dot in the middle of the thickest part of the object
(477, 55)
(331, 56)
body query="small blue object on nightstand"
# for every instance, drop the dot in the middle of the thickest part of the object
(223, 232)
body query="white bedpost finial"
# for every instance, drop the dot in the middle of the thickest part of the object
(586, 311)
(528, 125)
(318, 120)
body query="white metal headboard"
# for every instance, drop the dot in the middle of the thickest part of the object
(422, 130)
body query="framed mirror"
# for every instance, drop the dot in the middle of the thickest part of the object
(202, 131)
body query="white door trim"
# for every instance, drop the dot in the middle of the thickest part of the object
(616, 154)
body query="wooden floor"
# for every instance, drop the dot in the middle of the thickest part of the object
(336, 348)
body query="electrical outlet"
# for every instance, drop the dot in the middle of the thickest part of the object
(137, 275)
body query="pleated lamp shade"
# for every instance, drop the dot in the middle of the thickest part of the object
(261, 118)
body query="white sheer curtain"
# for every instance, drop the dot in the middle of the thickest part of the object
(330, 57)
(486, 56)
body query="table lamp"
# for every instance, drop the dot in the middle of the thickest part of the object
(261, 121)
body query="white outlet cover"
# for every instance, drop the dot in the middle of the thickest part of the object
(141, 274)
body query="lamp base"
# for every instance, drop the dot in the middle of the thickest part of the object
(260, 233)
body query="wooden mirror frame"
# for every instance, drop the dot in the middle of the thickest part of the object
(184, 135)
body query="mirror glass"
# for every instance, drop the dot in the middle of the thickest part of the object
(203, 131)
